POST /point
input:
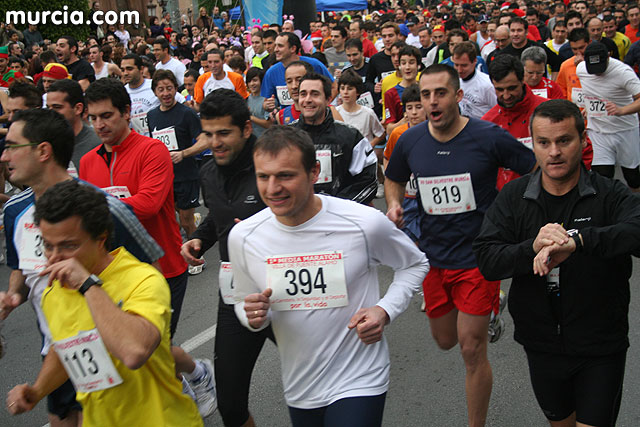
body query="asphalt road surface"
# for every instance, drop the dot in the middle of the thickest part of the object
(427, 384)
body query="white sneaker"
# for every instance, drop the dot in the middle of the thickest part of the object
(380, 192)
(186, 389)
(496, 325)
(205, 389)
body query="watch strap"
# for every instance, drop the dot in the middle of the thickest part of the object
(92, 280)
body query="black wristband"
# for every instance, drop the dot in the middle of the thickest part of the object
(92, 280)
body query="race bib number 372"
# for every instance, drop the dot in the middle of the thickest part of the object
(307, 281)
(446, 195)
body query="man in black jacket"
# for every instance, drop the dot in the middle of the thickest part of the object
(566, 236)
(348, 164)
(229, 188)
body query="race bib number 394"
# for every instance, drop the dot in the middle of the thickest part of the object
(446, 195)
(307, 281)
(86, 360)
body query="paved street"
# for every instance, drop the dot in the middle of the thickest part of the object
(427, 384)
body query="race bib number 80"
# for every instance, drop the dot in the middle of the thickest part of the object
(307, 281)
(446, 195)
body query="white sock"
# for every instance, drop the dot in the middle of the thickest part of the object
(197, 373)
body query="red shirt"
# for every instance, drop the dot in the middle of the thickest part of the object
(368, 48)
(514, 120)
(632, 33)
(144, 166)
(551, 89)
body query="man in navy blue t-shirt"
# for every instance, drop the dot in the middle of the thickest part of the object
(455, 160)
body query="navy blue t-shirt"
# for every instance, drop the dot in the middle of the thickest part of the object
(479, 149)
(186, 125)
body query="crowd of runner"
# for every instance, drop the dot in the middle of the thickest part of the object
(493, 131)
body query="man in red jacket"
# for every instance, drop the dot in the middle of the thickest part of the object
(139, 171)
(515, 105)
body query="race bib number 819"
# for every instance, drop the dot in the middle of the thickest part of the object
(445, 195)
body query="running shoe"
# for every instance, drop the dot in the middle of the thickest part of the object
(204, 389)
(196, 269)
(186, 389)
(496, 325)
(380, 192)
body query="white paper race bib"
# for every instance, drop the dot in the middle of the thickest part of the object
(540, 92)
(595, 106)
(366, 100)
(86, 360)
(411, 189)
(324, 157)
(225, 282)
(139, 123)
(388, 73)
(527, 142)
(168, 137)
(449, 194)
(71, 170)
(31, 249)
(284, 98)
(307, 281)
(577, 97)
(118, 191)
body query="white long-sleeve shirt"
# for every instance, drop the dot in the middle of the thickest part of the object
(322, 360)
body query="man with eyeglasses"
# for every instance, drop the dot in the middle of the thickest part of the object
(534, 60)
(501, 40)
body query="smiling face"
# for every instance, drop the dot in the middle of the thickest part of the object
(292, 77)
(166, 93)
(226, 140)
(313, 101)
(509, 90)
(285, 186)
(408, 67)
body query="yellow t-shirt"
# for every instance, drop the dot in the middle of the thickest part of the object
(387, 83)
(151, 395)
(623, 43)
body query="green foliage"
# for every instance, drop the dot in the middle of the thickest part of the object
(50, 31)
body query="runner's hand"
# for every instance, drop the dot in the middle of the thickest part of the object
(269, 104)
(190, 251)
(613, 109)
(70, 272)
(369, 323)
(21, 398)
(395, 214)
(548, 235)
(256, 306)
(7, 303)
(550, 257)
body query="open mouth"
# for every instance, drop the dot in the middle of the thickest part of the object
(435, 115)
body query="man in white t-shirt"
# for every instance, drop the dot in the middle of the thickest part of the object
(611, 92)
(166, 61)
(479, 95)
(308, 266)
(142, 97)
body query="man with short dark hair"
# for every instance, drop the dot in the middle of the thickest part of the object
(166, 61)
(218, 78)
(109, 316)
(348, 162)
(338, 374)
(565, 236)
(336, 55)
(357, 32)
(632, 30)
(43, 139)
(79, 69)
(455, 160)
(66, 97)
(138, 170)
(227, 128)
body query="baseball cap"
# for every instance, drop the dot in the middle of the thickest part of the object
(596, 57)
(403, 30)
(56, 71)
(482, 18)
(438, 28)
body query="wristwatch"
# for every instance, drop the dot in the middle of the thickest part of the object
(575, 235)
(91, 281)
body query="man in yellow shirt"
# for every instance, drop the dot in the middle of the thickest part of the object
(112, 339)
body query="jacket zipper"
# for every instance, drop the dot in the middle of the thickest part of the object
(113, 162)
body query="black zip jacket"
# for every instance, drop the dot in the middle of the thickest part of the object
(229, 192)
(350, 153)
(591, 318)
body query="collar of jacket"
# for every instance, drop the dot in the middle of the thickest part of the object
(327, 122)
(522, 107)
(534, 186)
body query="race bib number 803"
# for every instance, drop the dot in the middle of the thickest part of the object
(307, 281)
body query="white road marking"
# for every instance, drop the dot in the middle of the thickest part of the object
(198, 340)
